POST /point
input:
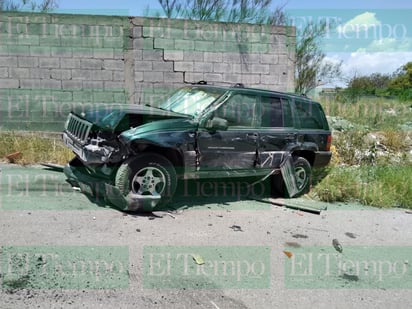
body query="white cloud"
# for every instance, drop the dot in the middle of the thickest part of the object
(380, 62)
(360, 23)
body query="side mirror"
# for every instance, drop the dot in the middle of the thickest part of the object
(217, 123)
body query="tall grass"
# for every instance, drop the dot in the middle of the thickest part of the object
(372, 162)
(380, 186)
(371, 112)
(34, 148)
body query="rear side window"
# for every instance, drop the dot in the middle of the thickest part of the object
(275, 112)
(310, 115)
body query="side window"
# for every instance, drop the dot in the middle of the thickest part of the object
(238, 110)
(276, 112)
(271, 112)
(309, 114)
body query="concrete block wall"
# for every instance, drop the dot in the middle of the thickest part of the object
(50, 63)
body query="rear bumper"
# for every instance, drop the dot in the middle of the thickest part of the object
(322, 158)
(100, 189)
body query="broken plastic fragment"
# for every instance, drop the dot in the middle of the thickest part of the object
(198, 259)
(288, 254)
(337, 245)
(13, 156)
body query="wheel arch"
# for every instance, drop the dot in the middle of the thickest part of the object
(307, 154)
(172, 154)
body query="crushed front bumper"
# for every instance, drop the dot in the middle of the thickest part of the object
(101, 190)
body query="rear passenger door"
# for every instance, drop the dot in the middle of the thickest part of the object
(277, 133)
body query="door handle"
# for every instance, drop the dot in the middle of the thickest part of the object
(253, 136)
(291, 136)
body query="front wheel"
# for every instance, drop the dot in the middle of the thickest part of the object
(303, 178)
(147, 181)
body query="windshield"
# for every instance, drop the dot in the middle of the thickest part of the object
(191, 100)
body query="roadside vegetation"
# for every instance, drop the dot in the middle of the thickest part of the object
(372, 153)
(33, 148)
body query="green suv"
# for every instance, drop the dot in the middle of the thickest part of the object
(135, 154)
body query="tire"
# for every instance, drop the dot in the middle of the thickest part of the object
(303, 176)
(147, 174)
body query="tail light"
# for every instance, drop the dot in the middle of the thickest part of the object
(329, 142)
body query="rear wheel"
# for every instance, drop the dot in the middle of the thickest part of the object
(303, 177)
(151, 176)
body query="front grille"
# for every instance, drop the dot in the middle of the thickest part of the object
(78, 128)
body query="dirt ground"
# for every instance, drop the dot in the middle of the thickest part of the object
(61, 249)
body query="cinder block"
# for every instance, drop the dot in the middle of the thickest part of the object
(9, 83)
(231, 57)
(18, 73)
(93, 64)
(27, 62)
(102, 75)
(184, 45)
(138, 76)
(67, 63)
(183, 66)
(64, 52)
(103, 97)
(50, 84)
(82, 74)
(259, 68)
(82, 52)
(30, 83)
(137, 31)
(222, 68)
(28, 40)
(269, 58)
(162, 66)
(193, 77)
(103, 53)
(213, 56)
(213, 77)
(168, 44)
(143, 65)
(49, 62)
(92, 84)
(113, 85)
(4, 72)
(153, 55)
(173, 55)
(115, 65)
(114, 42)
(61, 74)
(173, 77)
(204, 67)
(193, 56)
(153, 77)
(6, 61)
(250, 79)
(204, 46)
(42, 51)
(232, 78)
(119, 76)
(119, 97)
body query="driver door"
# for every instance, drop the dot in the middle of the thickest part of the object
(232, 150)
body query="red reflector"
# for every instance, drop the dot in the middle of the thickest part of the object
(329, 142)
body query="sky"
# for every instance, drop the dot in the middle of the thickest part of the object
(371, 36)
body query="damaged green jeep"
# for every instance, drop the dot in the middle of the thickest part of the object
(134, 155)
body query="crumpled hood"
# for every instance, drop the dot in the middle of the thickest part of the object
(108, 116)
(160, 126)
